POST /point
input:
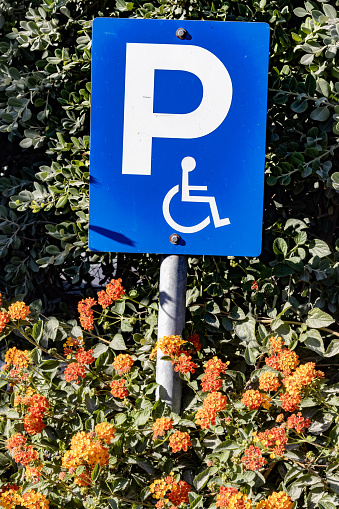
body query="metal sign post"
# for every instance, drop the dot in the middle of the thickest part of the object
(178, 129)
(172, 308)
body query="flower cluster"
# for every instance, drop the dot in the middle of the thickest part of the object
(283, 359)
(123, 363)
(70, 344)
(114, 291)
(18, 311)
(254, 399)
(180, 441)
(269, 381)
(184, 364)
(3, 320)
(105, 432)
(278, 500)
(86, 313)
(17, 358)
(253, 458)
(231, 498)
(168, 488)
(297, 422)
(274, 439)
(213, 368)
(33, 421)
(160, 426)
(85, 450)
(169, 345)
(118, 389)
(36, 405)
(296, 383)
(31, 499)
(212, 404)
(195, 340)
(76, 370)
(22, 453)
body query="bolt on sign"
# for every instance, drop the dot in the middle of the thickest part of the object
(178, 126)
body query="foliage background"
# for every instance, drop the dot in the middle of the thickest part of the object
(45, 51)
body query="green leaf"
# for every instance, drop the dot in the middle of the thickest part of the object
(26, 143)
(194, 500)
(319, 248)
(314, 341)
(14, 73)
(280, 246)
(321, 114)
(201, 479)
(330, 11)
(307, 59)
(323, 87)
(317, 319)
(118, 343)
(300, 12)
(333, 348)
(37, 331)
(251, 355)
(96, 472)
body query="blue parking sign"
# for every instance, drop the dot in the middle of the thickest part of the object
(178, 126)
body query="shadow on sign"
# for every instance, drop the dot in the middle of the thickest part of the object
(118, 237)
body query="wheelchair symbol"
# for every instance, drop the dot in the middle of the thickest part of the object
(188, 164)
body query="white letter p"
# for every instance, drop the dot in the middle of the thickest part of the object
(141, 124)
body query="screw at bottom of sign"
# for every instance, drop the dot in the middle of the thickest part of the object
(181, 33)
(175, 238)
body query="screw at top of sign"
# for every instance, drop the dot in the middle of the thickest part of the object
(181, 33)
(175, 238)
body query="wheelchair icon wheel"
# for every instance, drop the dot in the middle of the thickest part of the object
(166, 212)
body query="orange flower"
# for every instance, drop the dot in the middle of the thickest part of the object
(276, 344)
(10, 499)
(3, 320)
(169, 345)
(74, 371)
(15, 441)
(254, 399)
(290, 402)
(253, 458)
(86, 313)
(278, 500)
(123, 363)
(118, 389)
(231, 498)
(33, 423)
(85, 450)
(18, 311)
(297, 422)
(24, 454)
(179, 441)
(274, 439)
(269, 382)
(84, 357)
(184, 364)
(33, 500)
(17, 358)
(213, 368)
(114, 291)
(161, 425)
(105, 432)
(288, 361)
(212, 404)
(168, 488)
(195, 340)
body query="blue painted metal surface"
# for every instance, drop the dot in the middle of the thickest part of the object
(128, 211)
